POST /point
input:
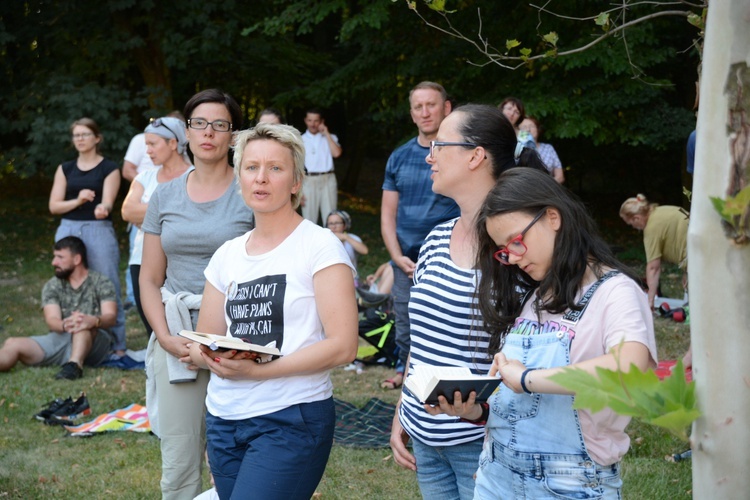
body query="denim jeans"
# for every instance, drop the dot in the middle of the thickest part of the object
(447, 472)
(505, 474)
(401, 291)
(281, 455)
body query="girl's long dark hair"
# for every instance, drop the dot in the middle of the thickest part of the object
(577, 244)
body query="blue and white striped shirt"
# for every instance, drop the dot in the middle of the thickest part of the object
(444, 332)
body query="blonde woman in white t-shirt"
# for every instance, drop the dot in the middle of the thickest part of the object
(287, 283)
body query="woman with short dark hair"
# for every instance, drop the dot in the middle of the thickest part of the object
(187, 219)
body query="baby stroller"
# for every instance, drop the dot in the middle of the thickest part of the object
(378, 327)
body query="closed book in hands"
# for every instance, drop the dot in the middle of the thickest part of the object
(426, 383)
(225, 343)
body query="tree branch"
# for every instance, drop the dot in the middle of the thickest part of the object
(494, 56)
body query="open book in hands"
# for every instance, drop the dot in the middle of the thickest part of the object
(426, 383)
(261, 353)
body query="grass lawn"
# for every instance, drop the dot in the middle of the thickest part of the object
(39, 461)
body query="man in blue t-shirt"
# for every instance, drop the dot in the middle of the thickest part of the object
(409, 208)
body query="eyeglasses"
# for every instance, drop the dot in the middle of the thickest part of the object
(439, 144)
(158, 122)
(84, 135)
(335, 224)
(202, 124)
(516, 246)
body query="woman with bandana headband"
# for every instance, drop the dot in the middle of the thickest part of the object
(166, 144)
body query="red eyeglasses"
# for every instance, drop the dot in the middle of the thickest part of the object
(516, 246)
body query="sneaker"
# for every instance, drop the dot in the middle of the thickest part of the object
(52, 407)
(70, 371)
(73, 410)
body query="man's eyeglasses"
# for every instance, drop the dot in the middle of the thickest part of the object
(338, 223)
(202, 124)
(516, 246)
(440, 144)
(84, 135)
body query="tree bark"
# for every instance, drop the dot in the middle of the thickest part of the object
(719, 269)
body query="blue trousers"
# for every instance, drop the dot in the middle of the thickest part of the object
(281, 455)
(401, 292)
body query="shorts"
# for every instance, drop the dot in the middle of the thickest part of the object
(58, 347)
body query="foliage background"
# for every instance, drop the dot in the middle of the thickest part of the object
(122, 61)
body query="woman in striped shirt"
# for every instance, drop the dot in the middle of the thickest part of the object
(474, 145)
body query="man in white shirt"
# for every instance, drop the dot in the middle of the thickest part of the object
(320, 187)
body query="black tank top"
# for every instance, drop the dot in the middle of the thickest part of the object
(92, 179)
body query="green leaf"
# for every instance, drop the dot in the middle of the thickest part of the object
(696, 21)
(551, 38)
(736, 205)
(437, 5)
(719, 206)
(509, 44)
(525, 53)
(603, 21)
(669, 404)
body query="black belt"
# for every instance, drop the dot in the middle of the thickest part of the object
(313, 174)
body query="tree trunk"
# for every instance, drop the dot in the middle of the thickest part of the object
(719, 269)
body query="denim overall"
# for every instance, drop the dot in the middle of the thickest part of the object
(534, 447)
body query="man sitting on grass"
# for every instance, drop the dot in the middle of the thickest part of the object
(79, 305)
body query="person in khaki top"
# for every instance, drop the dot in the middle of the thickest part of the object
(664, 237)
(79, 307)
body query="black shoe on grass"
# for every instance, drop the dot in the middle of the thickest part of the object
(76, 409)
(52, 407)
(70, 371)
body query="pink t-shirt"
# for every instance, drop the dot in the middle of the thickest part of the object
(618, 312)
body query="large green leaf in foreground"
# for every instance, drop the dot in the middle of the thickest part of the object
(669, 404)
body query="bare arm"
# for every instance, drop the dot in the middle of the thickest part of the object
(653, 271)
(53, 318)
(152, 277)
(133, 210)
(558, 174)
(210, 320)
(618, 358)
(334, 146)
(388, 214)
(357, 245)
(109, 193)
(337, 308)
(129, 170)
(58, 205)
(399, 437)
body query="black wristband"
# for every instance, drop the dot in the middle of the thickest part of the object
(523, 380)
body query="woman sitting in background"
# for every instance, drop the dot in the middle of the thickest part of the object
(339, 222)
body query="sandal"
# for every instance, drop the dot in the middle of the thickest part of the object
(394, 382)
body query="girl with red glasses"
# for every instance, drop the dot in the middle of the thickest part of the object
(557, 298)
